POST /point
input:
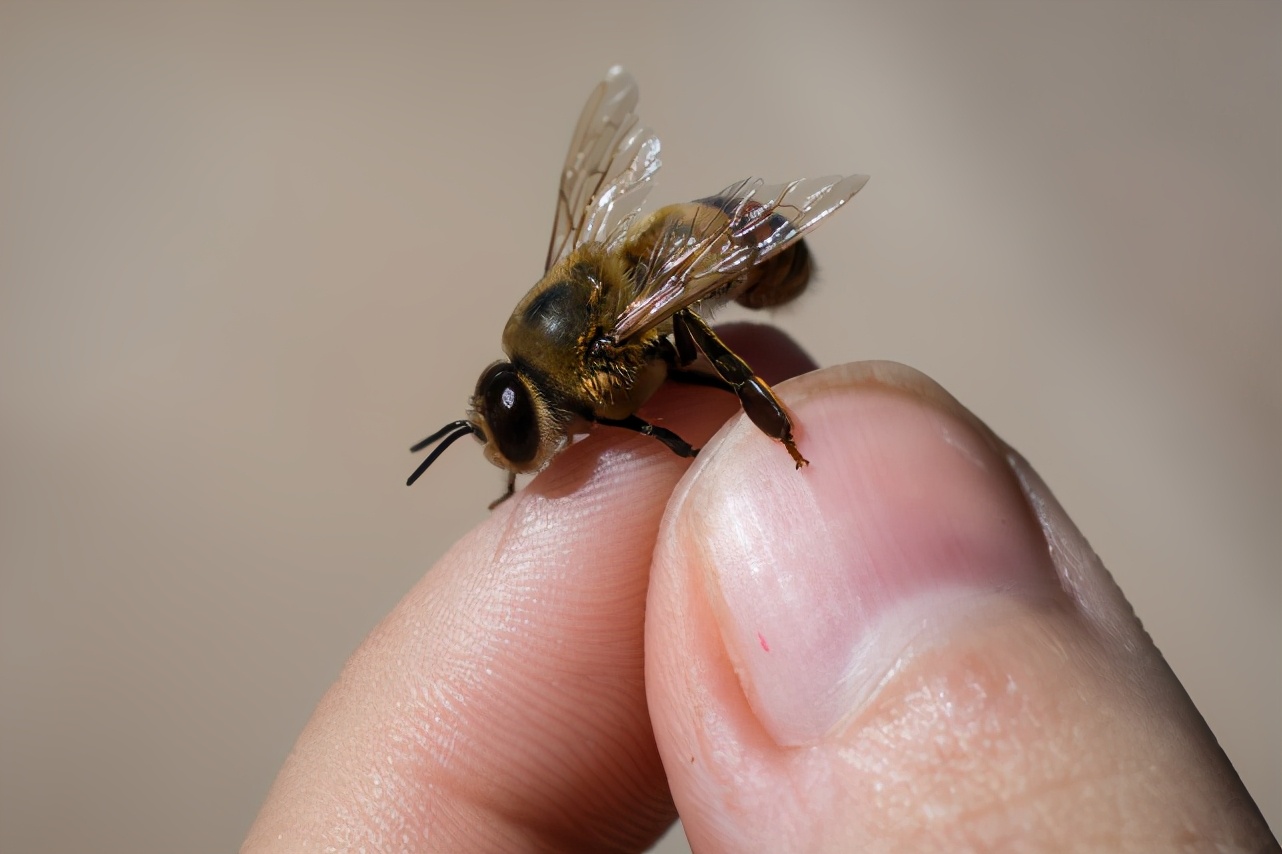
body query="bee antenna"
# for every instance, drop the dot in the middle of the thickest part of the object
(452, 427)
(456, 431)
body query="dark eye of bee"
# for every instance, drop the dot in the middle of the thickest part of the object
(509, 412)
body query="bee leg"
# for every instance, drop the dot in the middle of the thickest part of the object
(758, 401)
(677, 372)
(675, 443)
(683, 348)
(677, 375)
(511, 488)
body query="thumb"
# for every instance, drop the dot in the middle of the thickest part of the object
(906, 646)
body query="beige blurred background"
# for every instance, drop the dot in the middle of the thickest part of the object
(250, 252)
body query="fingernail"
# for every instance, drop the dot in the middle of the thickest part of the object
(825, 581)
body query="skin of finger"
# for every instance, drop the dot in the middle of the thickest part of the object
(501, 705)
(1035, 727)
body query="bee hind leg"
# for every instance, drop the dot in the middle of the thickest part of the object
(675, 443)
(679, 373)
(758, 400)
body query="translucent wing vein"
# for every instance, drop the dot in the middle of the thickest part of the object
(701, 253)
(607, 169)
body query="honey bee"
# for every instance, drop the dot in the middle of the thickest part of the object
(617, 310)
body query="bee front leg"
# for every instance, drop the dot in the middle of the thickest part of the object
(675, 443)
(756, 397)
(511, 488)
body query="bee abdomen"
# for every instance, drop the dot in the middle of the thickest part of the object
(778, 280)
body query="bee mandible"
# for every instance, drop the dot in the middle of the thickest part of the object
(617, 310)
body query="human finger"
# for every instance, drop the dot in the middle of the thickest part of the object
(908, 646)
(501, 705)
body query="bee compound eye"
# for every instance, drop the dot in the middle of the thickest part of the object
(509, 412)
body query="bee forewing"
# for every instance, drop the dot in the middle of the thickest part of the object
(617, 203)
(775, 216)
(607, 169)
(692, 258)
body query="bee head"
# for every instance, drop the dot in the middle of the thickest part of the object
(513, 420)
(510, 417)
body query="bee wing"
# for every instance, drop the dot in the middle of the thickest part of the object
(693, 256)
(607, 170)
